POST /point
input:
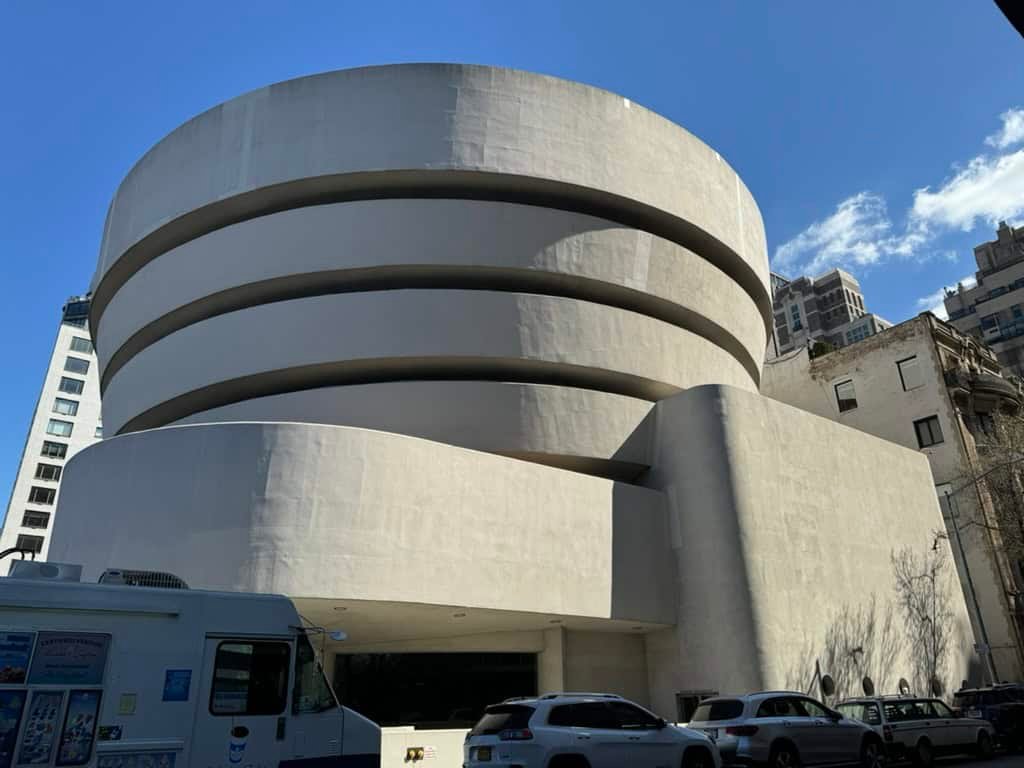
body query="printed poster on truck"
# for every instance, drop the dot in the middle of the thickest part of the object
(41, 727)
(15, 651)
(79, 731)
(12, 703)
(69, 658)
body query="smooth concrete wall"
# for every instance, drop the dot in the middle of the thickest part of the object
(435, 130)
(781, 519)
(529, 338)
(437, 243)
(607, 662)
(537, 421)
(886, 410)
(317, 511)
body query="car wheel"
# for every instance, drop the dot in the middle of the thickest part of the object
(923, 756)
(872, 755)
(984, 749)
(784, 756)
(696, 757)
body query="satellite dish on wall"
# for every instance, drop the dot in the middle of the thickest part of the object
(868, 685)
(937, 687)
(904, 687)
(828, 685)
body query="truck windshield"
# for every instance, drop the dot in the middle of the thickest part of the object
(312, 693)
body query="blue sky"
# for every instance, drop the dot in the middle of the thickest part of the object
(860, 128)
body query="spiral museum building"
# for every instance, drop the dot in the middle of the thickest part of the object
(466, 361)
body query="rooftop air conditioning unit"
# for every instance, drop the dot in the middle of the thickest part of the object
(43, 571)
(157, 579)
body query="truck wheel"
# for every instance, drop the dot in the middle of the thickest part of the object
(984, 748)
(784, 756)
(872, 754)
(923, 756)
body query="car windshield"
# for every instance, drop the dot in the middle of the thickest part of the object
(502, 717)
(717, 709)
(866, 712)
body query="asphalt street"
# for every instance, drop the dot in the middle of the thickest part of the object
(1001, 760)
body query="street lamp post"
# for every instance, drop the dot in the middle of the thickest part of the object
(987, 650)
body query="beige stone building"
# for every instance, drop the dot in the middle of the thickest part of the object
(993, 310)
(928, 387)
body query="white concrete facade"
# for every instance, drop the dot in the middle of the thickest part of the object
(28, 522)
(471, 356)
(937, 364)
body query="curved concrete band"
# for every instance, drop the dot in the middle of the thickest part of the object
(388, 335)
(432, 131)
(441, 244)
(585, 430)
(293, 503)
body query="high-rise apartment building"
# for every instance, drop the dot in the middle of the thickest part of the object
(829, 308)
(993, 310)
(66, 420)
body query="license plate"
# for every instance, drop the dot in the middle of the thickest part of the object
(483, 754)
(712, 733)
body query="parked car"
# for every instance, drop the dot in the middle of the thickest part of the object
(784, 729)
(921, 729)
(582, 730)
(1002, 705)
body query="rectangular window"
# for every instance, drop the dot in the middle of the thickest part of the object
(35, 519)
(910, 373)
(928, 431)
(78, 344)
(98, 432)
(71, 386)
(65, 407)
(250, 678)
(31, 543)
(845, 396)
(59, 428)
(39, 495)
(990, 323)
(54, 450)
(76, 365)
(1018, 311)
(47, 472)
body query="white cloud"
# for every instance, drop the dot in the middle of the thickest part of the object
(1012, 131)
(934, 302)
(859, 233)
(989, 189)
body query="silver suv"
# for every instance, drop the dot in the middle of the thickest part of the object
(921, 728)
(582, 730)
(784, 729)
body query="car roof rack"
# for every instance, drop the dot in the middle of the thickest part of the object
(556, 695)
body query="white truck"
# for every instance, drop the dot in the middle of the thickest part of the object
(115, 675)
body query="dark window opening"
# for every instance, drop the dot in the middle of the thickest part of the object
(40, 495)
(34, 519)
(928, 431)
(845, 396)
(431, 690)
(54, 450)
(48, 472)
(31, 543)
(250, 678)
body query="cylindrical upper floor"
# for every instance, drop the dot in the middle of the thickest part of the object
(417, 223)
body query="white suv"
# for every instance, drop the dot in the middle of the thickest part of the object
(582, 730)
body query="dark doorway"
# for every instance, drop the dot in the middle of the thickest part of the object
(431, 690)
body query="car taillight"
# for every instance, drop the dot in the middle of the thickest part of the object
(516, 734)
(741, 730)
(887, 732)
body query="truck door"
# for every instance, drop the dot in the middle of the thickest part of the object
(243, 703)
